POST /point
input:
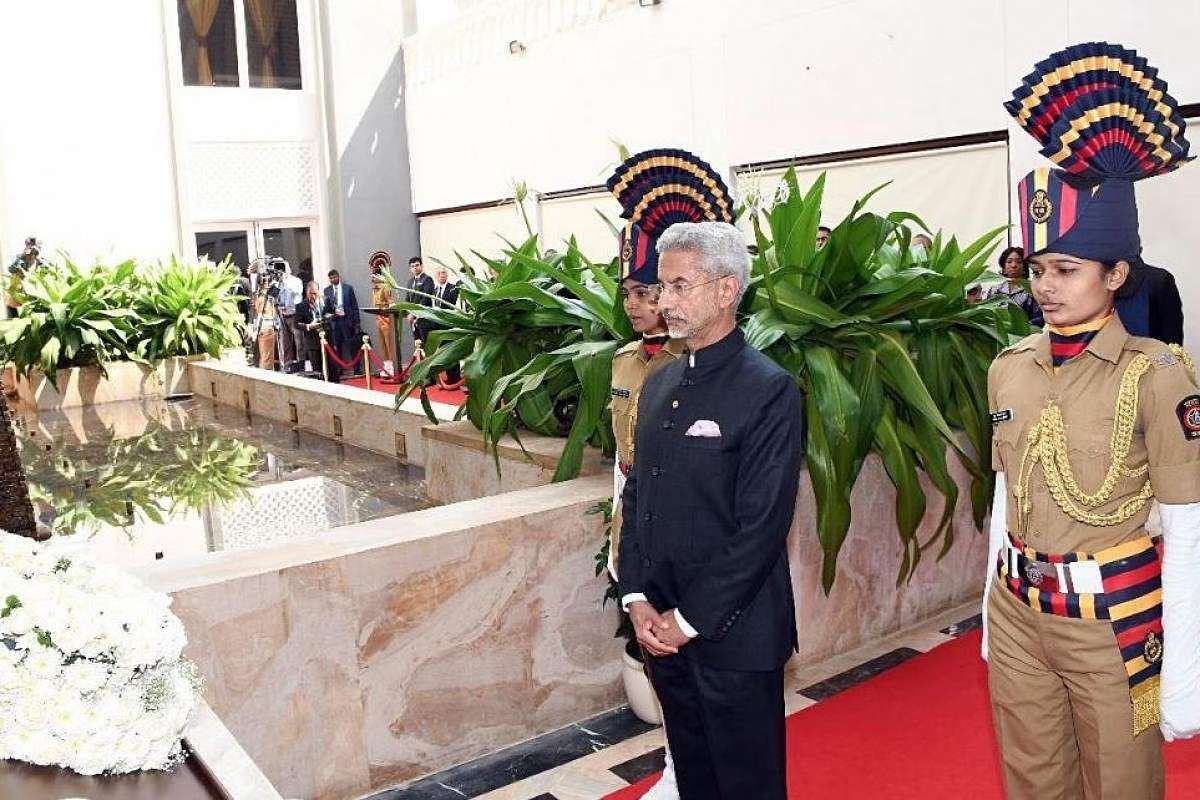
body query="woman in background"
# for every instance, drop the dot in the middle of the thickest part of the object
(1016, 286)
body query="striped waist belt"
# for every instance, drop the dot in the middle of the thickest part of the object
(1122, 584)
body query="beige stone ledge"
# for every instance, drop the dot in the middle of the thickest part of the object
(214, 568)
(116, 382)
(356, 416)
(398, 647)
(459, 467)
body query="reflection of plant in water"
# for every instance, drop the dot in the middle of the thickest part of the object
(157, 475)
(207, 468)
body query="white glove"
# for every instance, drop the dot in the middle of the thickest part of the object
(618, 488)
(997, 534)
(1180, 689)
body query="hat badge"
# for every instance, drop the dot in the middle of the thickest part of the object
(1040, 207)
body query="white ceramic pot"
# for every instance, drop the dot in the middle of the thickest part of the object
(641, 695)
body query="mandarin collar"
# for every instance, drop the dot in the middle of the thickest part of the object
(717, 353)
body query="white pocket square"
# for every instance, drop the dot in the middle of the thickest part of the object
(704, 428)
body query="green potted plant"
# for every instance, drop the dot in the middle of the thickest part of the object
(119, 331)
(536, 340)
(892, 358)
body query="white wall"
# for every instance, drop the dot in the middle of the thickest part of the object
(85, 154)
(758, 80)
(960, 190)
(736, 82)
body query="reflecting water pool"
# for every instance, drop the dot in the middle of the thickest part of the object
(147, 481)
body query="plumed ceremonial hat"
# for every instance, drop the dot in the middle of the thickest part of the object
(656, 189)
(1104, 118)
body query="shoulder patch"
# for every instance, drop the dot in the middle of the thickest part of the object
(1189, 416)
(624, 394)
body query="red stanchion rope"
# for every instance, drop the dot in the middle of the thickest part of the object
(384, 372)
(343, 364)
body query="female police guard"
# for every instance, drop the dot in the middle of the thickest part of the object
(1092, 628)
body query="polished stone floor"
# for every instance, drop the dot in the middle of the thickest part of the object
(596, 757)
(146, 481)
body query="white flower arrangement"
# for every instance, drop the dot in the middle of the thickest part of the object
(91, 674)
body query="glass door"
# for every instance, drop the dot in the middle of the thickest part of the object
(235, 241)
(246, 242)
(292, 243)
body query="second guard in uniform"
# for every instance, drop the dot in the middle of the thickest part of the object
(639, 359)
(1091, 626)
(381, 297)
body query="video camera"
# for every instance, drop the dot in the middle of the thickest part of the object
(272, 271)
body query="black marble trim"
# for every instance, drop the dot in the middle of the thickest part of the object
(521, 761)
(967, 625)
(642, 766)
(863, 672)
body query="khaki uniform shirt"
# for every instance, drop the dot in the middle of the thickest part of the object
(1022, 381)
(381, 294)
(631, 366)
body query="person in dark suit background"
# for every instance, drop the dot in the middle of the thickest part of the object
(703, 566)
(445, 295)
(309, 319)
(1149, 303)
(341, 311)
(419, 291)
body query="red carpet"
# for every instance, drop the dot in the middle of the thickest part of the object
(922, 729)
(436, 395)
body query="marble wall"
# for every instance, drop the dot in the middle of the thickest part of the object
(361, 417)
(865, 604)
(458, 468)
(404, 645)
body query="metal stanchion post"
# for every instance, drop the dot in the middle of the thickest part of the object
(366, 357)
(324, 357)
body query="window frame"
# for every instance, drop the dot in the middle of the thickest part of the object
(242, 41)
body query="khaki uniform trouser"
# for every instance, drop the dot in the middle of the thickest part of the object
(1060, 702)
(266, 349)
(385, 339)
